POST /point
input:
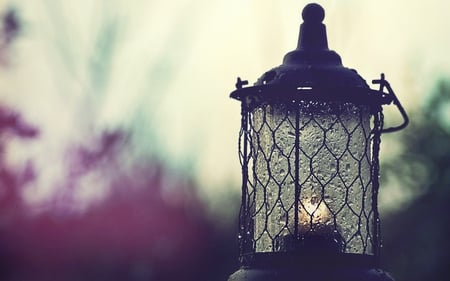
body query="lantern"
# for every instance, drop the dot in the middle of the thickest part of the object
(309, 147)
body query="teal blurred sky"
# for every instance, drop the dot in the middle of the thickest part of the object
(164, 70)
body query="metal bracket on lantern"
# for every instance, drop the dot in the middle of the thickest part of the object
(393, 98)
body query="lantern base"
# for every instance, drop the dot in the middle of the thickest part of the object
(309, 267)
(291, 274)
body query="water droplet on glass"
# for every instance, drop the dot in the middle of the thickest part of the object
(326, 143)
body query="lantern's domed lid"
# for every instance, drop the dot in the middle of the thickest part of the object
(312, 64)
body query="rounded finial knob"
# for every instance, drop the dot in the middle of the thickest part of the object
(313, 13)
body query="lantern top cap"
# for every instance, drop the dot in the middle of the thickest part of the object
(312, 65)
(313, 34)
(313, 13)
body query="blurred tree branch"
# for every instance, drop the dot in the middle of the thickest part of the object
(9, 29)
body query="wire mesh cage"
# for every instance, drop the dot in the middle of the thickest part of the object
(310, 177)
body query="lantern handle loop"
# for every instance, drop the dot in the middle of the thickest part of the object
(393, 98)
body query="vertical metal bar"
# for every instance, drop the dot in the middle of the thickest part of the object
(297, 170)
(244, 215)
(378, 123)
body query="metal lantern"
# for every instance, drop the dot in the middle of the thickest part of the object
(309, 145)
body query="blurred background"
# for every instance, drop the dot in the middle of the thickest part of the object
(118, 141)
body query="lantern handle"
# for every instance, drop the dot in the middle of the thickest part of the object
(385, 84)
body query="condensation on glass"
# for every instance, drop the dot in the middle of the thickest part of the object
(309, 175)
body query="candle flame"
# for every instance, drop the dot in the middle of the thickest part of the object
(314, 215)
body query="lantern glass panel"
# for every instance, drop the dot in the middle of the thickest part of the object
(310, 175)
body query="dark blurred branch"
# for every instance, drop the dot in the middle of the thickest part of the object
(11, 121)
(9, 29)
(10, 26)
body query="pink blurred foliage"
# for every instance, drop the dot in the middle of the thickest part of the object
(150, 225)
(12, 126)
(147, 223)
